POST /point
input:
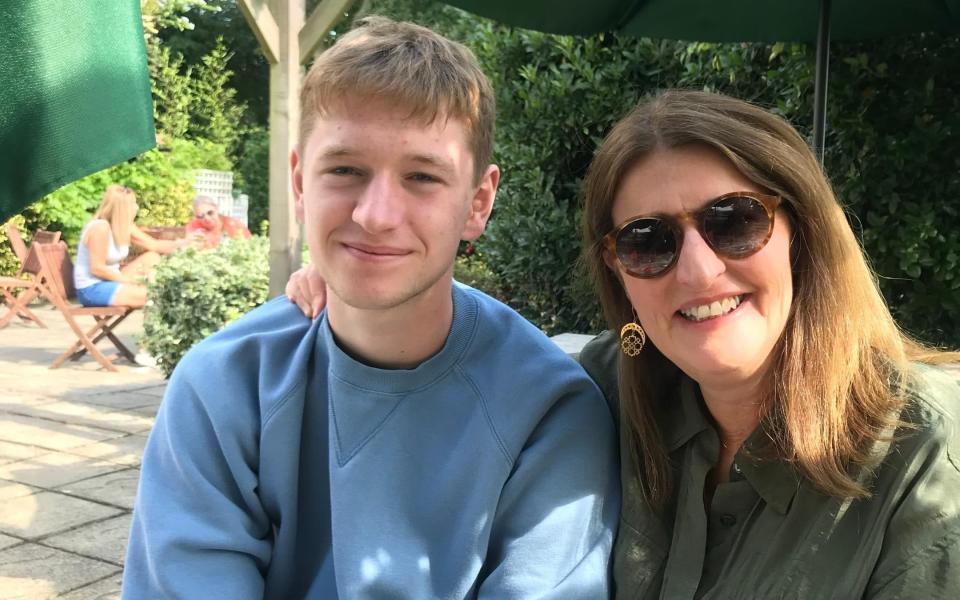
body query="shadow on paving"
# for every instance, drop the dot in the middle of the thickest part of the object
(71, 443)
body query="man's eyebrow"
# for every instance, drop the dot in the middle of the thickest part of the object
(435, 161)
(335, 151)
(431, 160)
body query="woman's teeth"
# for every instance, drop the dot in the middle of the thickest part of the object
(714, 309)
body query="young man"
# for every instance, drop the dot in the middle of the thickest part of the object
(418, 439)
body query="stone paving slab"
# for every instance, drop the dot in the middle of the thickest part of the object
(126, 450)
(105, 540)
(105, 589)
(149, 412)
(11, 489)
(71, 441)
(74, 413)
(37, 515)
(24, 399)
(156, 391)
(26, 430)
(118, 488)
(34, 572)
(56, 469)
(6, 541)
(11, 451)
(118, 400)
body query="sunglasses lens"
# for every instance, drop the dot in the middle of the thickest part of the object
(737, 226)
(646, 247)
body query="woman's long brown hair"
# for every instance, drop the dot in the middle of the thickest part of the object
(828, 395)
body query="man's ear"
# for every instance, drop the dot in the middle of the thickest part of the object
(296, 182)
(481, 204)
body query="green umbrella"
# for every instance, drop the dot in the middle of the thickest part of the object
(733, 21)
(74, 93)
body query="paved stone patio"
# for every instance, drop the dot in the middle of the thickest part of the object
(70, 447)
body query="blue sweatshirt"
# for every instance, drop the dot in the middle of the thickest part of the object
(279, 467)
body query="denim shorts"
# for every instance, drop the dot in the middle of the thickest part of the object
(98, 294)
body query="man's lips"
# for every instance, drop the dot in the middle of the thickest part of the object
(374, 252)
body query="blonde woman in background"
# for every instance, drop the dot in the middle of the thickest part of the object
(105, 241)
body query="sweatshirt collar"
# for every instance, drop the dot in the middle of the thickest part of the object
(401, 381)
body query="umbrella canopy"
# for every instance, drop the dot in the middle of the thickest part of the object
(733, 21)
(74, 94)
(723, 20)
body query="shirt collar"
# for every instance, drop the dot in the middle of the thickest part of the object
(776, 481)
(686, 418)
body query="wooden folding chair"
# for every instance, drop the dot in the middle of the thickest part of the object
(56, 270)
(19, 291)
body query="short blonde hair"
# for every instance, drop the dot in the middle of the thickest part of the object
(408, 65)
(118, 207)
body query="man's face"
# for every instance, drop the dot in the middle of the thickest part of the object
(386, 200)
(208, 214)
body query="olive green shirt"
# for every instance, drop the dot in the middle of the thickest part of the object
(768, 534)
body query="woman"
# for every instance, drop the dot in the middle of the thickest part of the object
(780, 437)
(105, 243)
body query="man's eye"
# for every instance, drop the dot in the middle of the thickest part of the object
(423, 177)
(344, 171)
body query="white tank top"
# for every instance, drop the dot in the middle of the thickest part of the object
(82, 277)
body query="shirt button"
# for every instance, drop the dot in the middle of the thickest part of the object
(728, 520)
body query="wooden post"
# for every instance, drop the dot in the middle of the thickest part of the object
(285, 238)
(279, 27)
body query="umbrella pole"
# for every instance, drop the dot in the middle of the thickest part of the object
(820, 79)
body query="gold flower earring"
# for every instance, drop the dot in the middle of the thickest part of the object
(632, 337)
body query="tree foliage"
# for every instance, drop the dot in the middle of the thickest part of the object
(196, 101)
(252, 176)
(218, 20)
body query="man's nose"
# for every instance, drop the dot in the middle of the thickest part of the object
(380, 205)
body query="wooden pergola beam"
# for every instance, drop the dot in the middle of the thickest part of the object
(327, 14)
(264, 27)
(288, 42)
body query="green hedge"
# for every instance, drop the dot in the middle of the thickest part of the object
(9, 263)
(197, 292)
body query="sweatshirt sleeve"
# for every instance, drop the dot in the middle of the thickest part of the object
(554, 526)
(199, 530)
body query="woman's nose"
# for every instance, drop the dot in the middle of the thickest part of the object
(698, 265)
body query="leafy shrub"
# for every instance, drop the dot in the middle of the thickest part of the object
(9, 263)
(893, 151)
(197, 292)
(473, 270)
